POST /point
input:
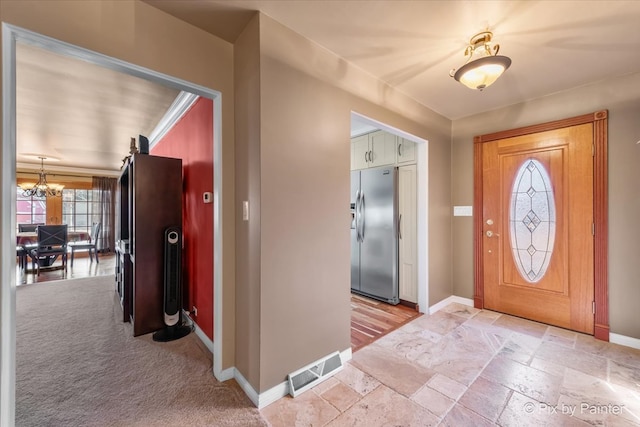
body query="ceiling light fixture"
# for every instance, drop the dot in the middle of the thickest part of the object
(483, 67)
(41, 188)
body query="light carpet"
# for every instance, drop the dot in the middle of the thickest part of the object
(78, 364)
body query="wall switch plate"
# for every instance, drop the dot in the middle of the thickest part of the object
(245, 210)
(207, 197)
(463, 211)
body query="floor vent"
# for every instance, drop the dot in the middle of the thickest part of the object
(313, 374)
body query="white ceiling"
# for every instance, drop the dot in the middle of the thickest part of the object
(412, 45)
(85, 114)
(80, 115)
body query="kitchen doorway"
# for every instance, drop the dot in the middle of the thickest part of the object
(379, 148)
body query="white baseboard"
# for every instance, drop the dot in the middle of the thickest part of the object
(445, 302)
(199, 332)
(624, 340)
(261, 400)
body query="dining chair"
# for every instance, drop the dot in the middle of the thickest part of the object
(21, 253)
(52, 243)
(90, 245)
(25, 228)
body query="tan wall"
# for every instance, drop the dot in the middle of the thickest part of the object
(140, 34)
(248, 252)
(307, 95)
(622, 98)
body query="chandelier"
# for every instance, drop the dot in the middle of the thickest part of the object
(483, 67)
(41, 188)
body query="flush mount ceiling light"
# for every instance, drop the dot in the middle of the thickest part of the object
(484, 65)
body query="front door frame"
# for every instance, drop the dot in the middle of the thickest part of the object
(599, 119)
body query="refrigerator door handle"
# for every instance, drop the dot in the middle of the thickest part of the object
(362, 208)
(356, 215)
(400, 226)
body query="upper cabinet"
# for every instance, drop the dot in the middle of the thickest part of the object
(380, 148)
(406, 151)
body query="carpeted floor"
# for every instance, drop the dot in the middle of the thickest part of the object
(78, 364)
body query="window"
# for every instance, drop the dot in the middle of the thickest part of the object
(532, 220)
(30, 209)
(77, 208)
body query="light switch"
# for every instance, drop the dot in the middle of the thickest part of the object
(463, 211)
(245, 210)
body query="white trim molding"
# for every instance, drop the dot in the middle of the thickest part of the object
(199, 332)
(445, 302)
(624, 340)
(183, 102)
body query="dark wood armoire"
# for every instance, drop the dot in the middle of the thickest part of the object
(149, 201)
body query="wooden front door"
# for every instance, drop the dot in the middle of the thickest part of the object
(536, 228)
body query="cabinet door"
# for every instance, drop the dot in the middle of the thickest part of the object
(407, 211)
(359, 152)
(406, 151)
(383, 148)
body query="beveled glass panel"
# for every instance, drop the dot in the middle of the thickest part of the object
(532, 220)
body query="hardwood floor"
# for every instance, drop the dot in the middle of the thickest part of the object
(82, 267)
(371, 319)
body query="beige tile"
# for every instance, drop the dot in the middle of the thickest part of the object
(522, 411)
(361, 382)
(405, 344)
(341, 396)
(576, 359)
(548, 366)
(460, 310)
(325, 385)
(624, 375)
(440, 322)
(595, 392)
(531, 382)
(456, 358)
(561, 336)
(437, 403)
(308, 409)
(520, 347)
(445, 385)
(523, 326)
(486, 398)
(383, 407)
(460, 416)
(394, 371)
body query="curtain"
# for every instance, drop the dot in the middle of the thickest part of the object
(104, 193)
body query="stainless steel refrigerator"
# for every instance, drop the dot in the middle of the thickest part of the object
(374, 233)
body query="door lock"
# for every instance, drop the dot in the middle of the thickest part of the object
(490, 233)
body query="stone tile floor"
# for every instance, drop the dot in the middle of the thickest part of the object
(467, 367)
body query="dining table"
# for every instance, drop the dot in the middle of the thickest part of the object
(31, 237)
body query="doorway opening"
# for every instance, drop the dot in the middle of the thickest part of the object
(11, 36)
(405, 287)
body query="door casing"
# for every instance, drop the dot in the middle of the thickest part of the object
(599, 119)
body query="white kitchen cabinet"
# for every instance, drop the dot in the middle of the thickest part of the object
(372, 150)
(407, 244)
(360, 152)
(406, 151)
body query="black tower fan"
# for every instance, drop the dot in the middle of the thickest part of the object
(172, 306)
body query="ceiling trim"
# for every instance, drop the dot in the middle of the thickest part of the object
(183, 102)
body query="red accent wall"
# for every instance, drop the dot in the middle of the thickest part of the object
(191, 139)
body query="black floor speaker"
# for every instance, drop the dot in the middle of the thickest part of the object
(172, 306)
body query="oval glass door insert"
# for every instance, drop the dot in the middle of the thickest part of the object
(532, 220)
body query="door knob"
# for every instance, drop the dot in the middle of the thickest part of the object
(490, 233)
